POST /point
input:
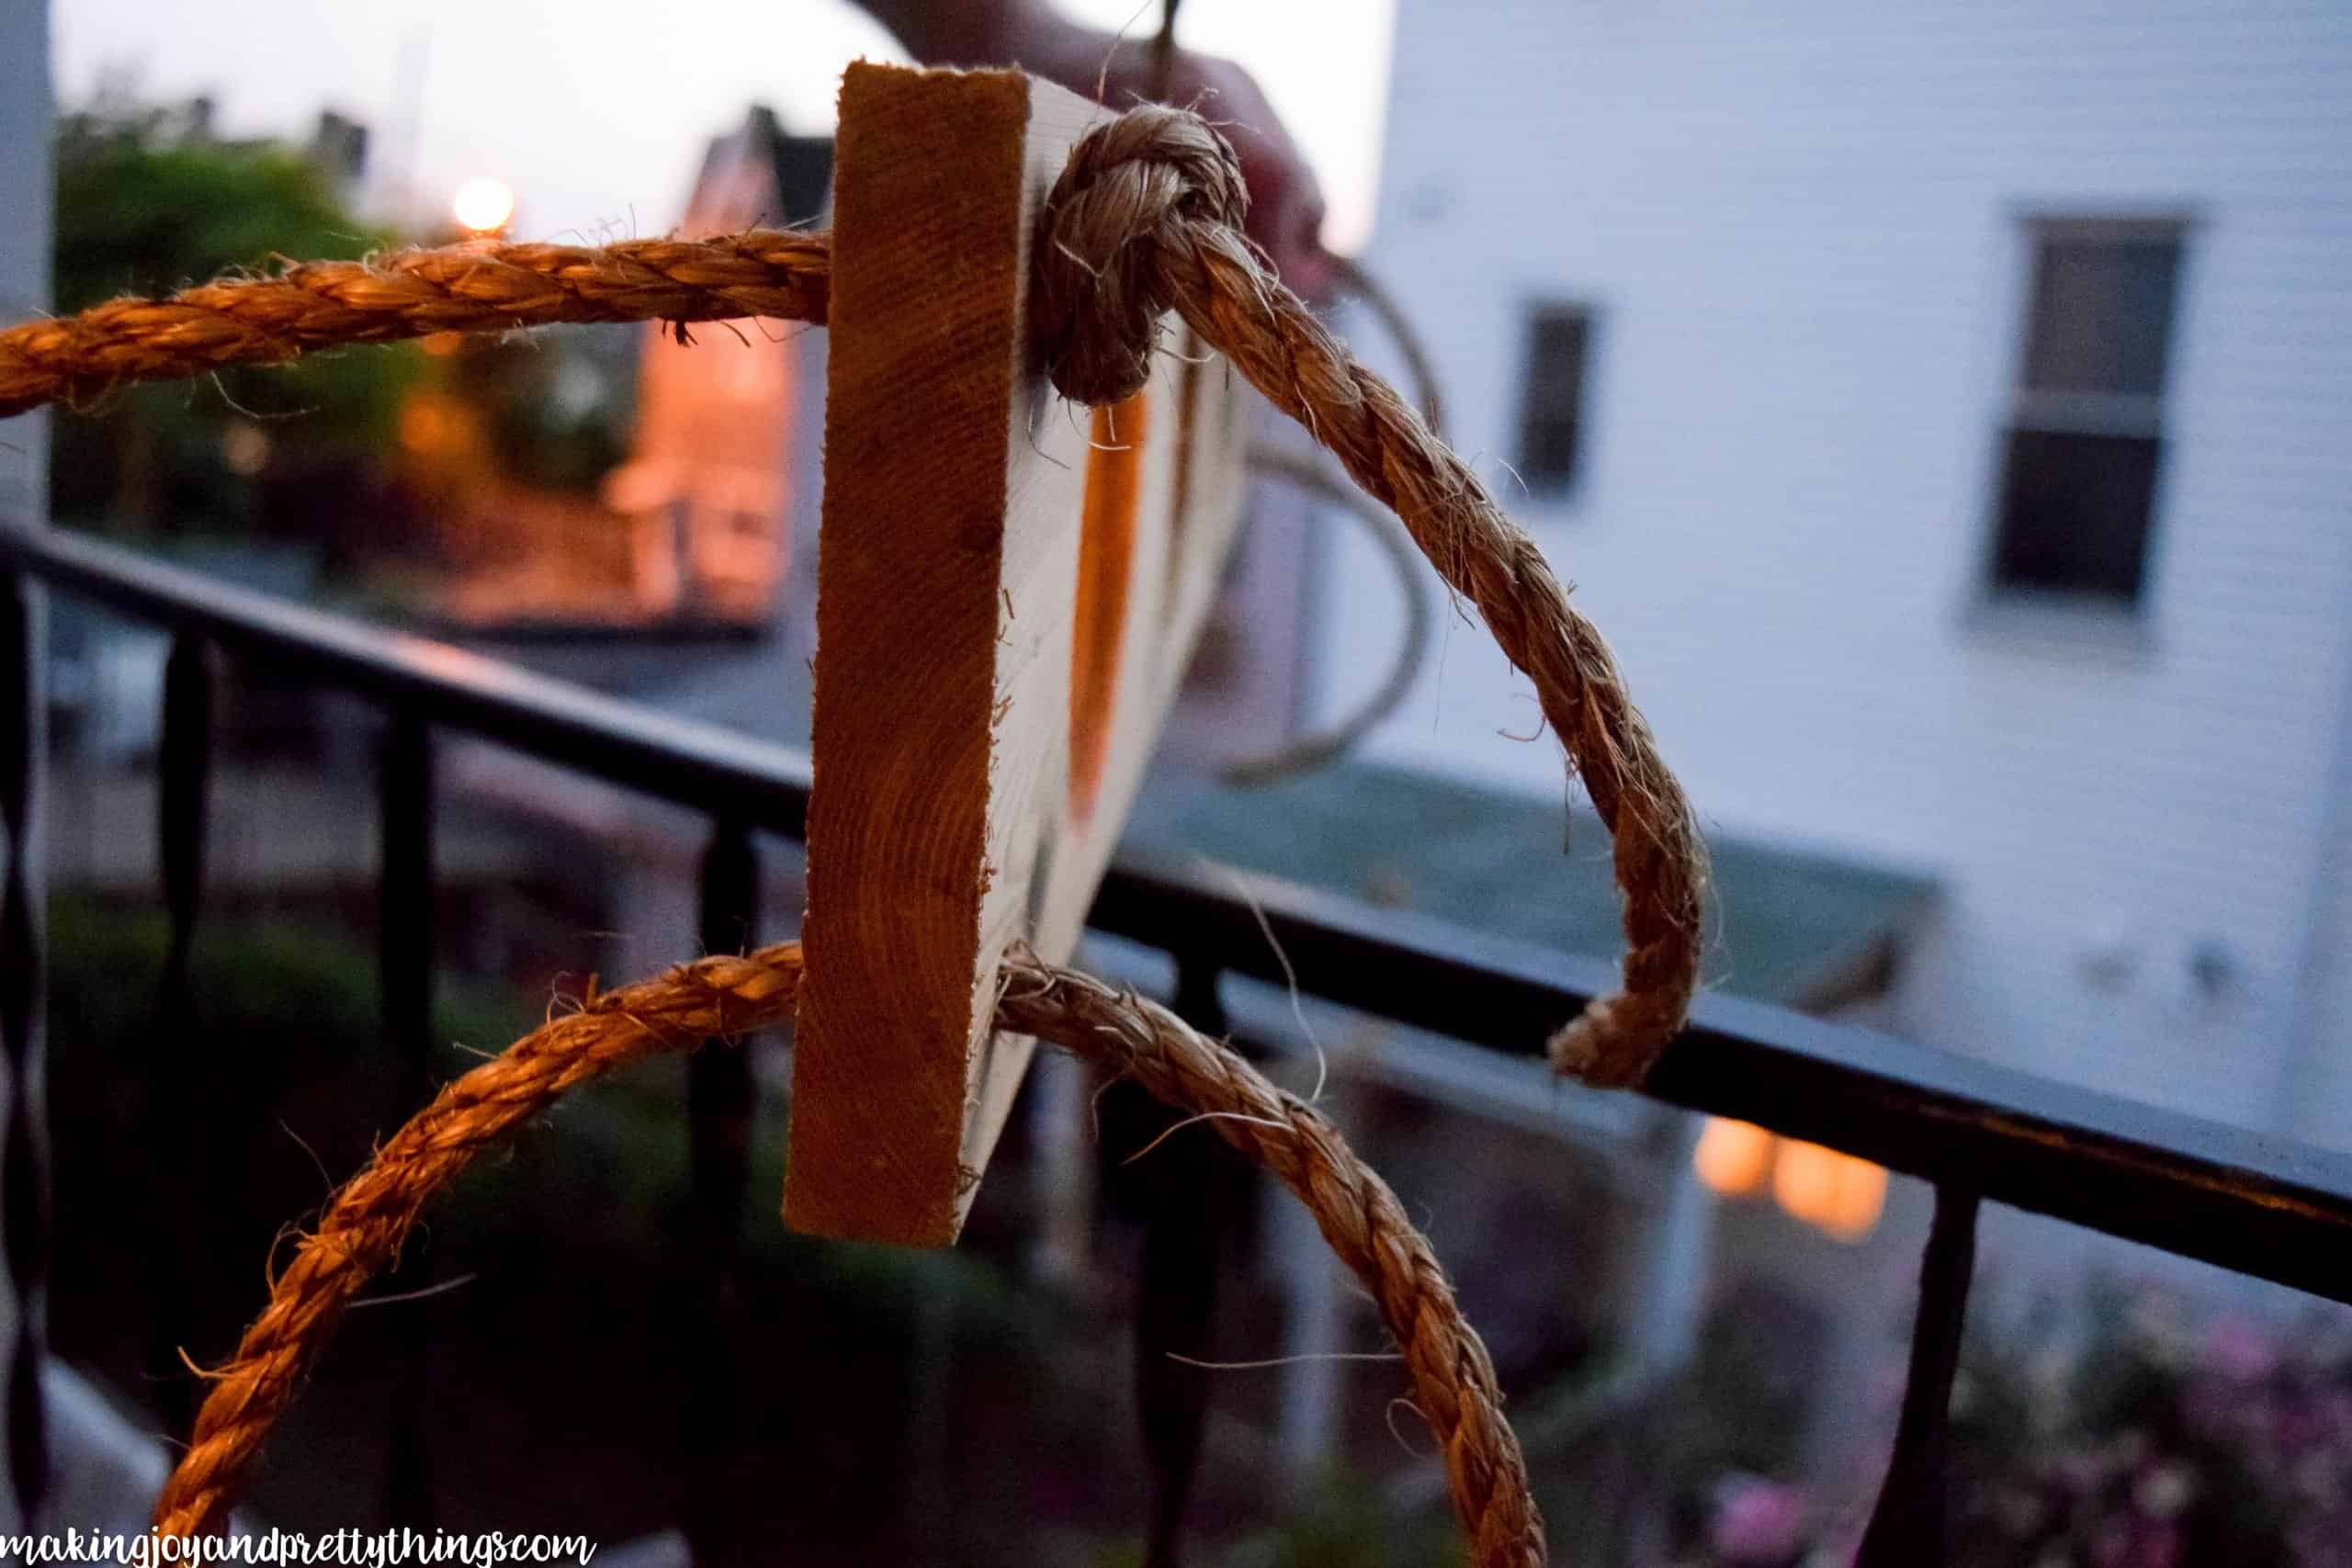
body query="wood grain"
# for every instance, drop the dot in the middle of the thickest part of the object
(951, 815)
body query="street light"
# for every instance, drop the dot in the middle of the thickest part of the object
(483, 205)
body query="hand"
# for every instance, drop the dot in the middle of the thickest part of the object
(1286, 203)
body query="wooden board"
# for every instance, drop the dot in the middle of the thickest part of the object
(1008, 589)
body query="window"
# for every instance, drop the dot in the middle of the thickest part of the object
(2084, 437)
(1552, 412)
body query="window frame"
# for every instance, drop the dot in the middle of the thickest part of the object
(2134, 415)
(1541, 488)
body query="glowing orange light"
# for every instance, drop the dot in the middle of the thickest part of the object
(424, 427)
(1732, 1155)
(483, 205)
(1832, 1192)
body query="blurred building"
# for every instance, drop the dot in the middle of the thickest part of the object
(337, 148)
(721, 496)
(1942, 409)
(691, 535)
(709, 481)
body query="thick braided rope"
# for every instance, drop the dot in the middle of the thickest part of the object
(1145, 220)
(481, 286)
(370, 1219)
(1454, 1380)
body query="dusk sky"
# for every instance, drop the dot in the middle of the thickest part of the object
(596, 112)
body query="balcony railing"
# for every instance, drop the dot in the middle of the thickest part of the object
(2259, 1205)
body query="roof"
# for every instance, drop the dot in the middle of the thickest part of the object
(803, 165)
(801, 168)
(1791, 926)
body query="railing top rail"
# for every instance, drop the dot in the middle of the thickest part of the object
(2261, 1205)
(625, 743)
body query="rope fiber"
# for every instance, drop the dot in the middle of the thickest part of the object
(369, 1220)
(476, 286)
(372, 1219)
(1145, 221)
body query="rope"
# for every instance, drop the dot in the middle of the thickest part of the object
(1454, 1380)
(1145, 218)
(1320, 748)
(1304, 754)
(1420, 369)
(370, 1219)
(475, 287)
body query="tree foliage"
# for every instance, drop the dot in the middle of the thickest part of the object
(148, 201)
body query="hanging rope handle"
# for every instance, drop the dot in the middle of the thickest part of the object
(1305, 752)
(371, 1218)
(1145, 218)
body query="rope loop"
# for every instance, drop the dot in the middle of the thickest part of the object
(1144, 220)
(1133, 185)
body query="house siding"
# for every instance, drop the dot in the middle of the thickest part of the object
(1800, 228)
(24, 186)
(24, 181)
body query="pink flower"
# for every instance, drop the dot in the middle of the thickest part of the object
(1758, 1521)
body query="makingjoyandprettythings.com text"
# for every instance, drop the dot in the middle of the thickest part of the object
(361, 1549)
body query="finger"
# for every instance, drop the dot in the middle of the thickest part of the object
(1286, 216)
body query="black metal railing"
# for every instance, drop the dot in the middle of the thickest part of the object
(2259, 1205)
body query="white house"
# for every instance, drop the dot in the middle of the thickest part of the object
(1946, 411)
(25, 180)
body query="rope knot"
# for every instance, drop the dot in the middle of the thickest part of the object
(1134, 188)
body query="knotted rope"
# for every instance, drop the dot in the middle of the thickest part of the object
(1143, 220)
(370, 1219)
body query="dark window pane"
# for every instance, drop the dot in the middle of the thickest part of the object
(2074, 512)
(2102, 315)
(1552, 413)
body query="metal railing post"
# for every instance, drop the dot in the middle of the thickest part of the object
(1176, 1298)
(405, 932)
(1906, 1527)
(24, 1164)
(177, 1083)
(719, 1106)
